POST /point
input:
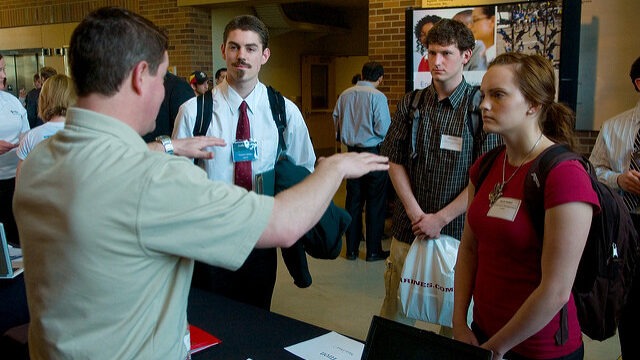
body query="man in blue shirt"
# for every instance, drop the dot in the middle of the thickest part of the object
(361, 118)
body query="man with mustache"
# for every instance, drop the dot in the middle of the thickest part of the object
(245, 50)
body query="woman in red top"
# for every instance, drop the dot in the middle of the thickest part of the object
(518, 281)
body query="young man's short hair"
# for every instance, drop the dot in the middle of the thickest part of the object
(107, 45)
(451, 32)
(634, 73)
(47, 72)
(248, 23)
(372, 71)
(219, 72)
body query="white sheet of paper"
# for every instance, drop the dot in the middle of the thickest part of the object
(330, 346)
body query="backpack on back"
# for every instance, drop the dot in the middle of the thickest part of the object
(606, 268)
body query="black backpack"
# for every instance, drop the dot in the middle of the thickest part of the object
(607, 265)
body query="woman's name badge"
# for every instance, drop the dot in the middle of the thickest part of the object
(505, 208)
(244, 150)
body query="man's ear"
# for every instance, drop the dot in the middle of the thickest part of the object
(636, 82)
(466, 56)
(138, 75)
(266, 53)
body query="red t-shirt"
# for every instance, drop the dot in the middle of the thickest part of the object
(509, 253)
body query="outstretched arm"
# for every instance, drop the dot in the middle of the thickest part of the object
(300, 207)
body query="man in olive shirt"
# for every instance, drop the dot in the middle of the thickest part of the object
(111, 229)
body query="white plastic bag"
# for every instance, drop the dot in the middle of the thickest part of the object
(426, 283)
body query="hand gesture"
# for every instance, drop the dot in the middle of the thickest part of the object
(195, 147)
(354, 165)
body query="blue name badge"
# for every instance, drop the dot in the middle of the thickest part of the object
(244, 150)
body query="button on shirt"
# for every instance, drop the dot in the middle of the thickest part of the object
(361, 115)
(226, 104)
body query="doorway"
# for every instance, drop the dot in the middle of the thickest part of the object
(318, 101)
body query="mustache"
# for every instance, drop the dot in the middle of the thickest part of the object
(243, 63)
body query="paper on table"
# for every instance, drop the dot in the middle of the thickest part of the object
(332, 346)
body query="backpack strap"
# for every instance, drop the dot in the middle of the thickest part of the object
(534, 198)
(417, 99)
(475, 98)
(486, 162)
(537, 177)
(204, 113)
(276, 102)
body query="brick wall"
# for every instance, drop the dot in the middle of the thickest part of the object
(188, 28)
(387, 46)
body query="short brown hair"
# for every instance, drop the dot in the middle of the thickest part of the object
(107, 45)
(56, 96)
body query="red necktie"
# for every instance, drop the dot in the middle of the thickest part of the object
(242, 174)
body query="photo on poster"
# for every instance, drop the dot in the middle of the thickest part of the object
(531, 27)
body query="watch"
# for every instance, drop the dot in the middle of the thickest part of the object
(166, 143)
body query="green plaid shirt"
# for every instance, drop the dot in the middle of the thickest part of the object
(437, 175)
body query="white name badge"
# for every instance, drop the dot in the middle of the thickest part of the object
(505, 208)
(449, 142)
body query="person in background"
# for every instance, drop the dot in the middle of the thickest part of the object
(361, 117)
(431, 178)
(616, 158)
(123, 224)
(420, 31)
(31, 102)
(245, 50)
(221, 75)
(13, 125)
(521, 279)
(198, 82)
(32, 95)
(477, 61)
(484, 22)
(176, 92)
(22, 96)
(56, 96)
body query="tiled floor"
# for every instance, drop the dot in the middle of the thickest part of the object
(346, 294)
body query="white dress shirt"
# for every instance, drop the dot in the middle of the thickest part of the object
(611, 154)
(13, 125)
(226, 104)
